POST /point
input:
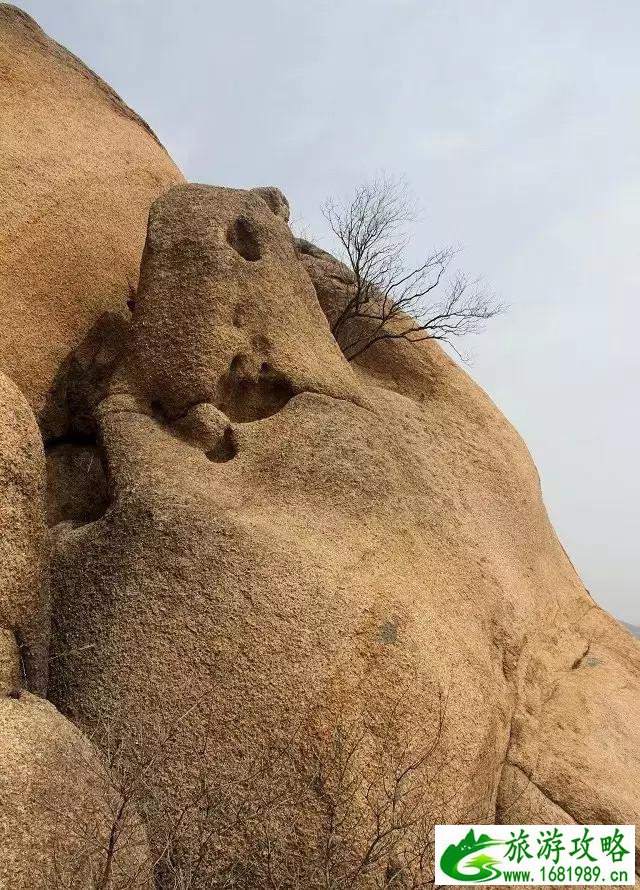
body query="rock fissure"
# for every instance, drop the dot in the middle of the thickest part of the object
(546, 794)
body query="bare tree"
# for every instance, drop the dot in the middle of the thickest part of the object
(349, 806)
(389, 300)
(103, 844)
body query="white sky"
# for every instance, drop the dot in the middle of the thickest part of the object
(517, 125)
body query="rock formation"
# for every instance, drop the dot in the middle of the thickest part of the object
(56, 806)
(24, 608)
(78, 171)
(329, 536)
(56, 796)
(321, 602)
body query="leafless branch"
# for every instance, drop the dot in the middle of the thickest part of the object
(342, 802)
(387, 300)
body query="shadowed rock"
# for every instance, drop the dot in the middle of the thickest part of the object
(56, 795)
(24, 599)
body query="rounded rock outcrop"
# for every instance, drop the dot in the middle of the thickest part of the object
(57, 807)
(275, 199)
(78, 172)
(318, 604)
(56, 792)
(368, 573)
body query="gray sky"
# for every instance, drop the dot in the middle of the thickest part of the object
(517, 126)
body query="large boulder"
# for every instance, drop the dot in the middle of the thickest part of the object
(63, 823)
(575, 720)
(209, 253)
(57, 798)
(78, 171)
(337, 583)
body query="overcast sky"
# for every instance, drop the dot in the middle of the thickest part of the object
(517, 125)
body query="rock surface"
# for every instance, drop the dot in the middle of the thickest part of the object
(56, 796)
(371, 550)
(573, 669)
(76, 484)
(78, 171)
(225, 313)
(321, 603)
(24, 602)
(274, 198)
(56, 806)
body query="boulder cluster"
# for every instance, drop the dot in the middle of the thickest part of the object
(267, 615)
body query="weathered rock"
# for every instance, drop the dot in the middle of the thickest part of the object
(247, 337)
(206, 427)
(577, 670)
(275, 199)
(57, 806)
(306, 589)
(76, 483)
(78, 171)
(372, 553)
(83, 380)
(56, 797)
(10, 666)
(24, 603)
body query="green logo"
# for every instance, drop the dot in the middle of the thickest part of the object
(535, 854)
(478, 866)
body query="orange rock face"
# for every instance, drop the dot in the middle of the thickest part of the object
(364, 557)
(78, 171)
(318, 604)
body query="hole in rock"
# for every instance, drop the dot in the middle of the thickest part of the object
(241, 237)
(243, 399)
(77, 488)
(225, 450)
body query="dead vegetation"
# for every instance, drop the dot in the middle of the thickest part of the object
(390, 299)
(365, 789)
